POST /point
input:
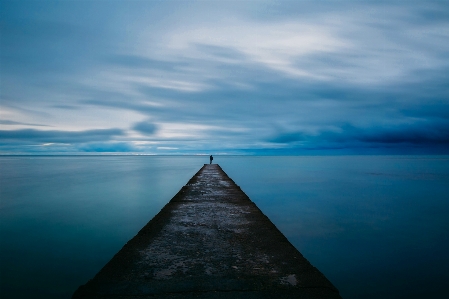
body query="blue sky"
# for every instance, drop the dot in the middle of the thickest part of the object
(236, 77)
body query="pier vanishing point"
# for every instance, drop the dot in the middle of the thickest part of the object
(209, 241)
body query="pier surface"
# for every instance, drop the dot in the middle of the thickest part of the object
(209, 241)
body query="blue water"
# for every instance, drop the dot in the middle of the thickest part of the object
(376, 226)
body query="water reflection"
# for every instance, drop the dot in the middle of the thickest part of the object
(63, 218)
(376, 226)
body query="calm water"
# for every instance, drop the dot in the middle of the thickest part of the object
(376, 226)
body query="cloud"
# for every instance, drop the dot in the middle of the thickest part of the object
(143, 62)
(13, 123)
(369, 44)
(112, 147)
(145, 128)
(53, 136)
(417, 134)
(225, 75)
(425, 135)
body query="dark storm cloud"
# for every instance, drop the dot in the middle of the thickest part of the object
(418, 134)
(433, 134)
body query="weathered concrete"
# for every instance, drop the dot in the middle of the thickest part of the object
(209, 241)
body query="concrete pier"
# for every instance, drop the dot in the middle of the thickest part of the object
(209, 241)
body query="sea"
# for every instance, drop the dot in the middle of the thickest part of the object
(375, 226)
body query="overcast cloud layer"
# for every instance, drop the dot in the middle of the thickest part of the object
(257, 77)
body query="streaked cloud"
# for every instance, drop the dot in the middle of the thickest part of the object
(249, 76)
(38, 136)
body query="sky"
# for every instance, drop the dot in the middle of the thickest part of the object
(224, 77)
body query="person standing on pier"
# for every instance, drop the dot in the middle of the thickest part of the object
(211, 158)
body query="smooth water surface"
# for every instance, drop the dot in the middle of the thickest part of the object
(63, 218)
(376, 226)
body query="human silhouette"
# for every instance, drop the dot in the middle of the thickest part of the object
(211, 158)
